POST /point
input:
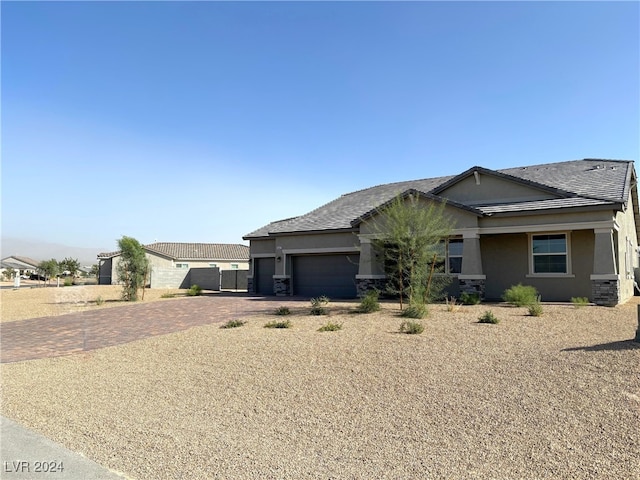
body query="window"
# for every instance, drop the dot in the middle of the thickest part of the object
(182, 265)
(549, 253)
(452, 250)
(213, 265)
(234, 266)
(455, 255)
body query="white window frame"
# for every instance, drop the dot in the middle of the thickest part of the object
(213, 265)
(447, 256)
(182, 265)
(566, 254)
(235, 266)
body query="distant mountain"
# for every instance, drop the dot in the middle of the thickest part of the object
(44, 251)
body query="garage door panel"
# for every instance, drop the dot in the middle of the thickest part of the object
(330, 275)
(265, 269)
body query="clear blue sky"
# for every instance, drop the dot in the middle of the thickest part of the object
(202, 121)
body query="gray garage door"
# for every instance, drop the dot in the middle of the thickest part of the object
(264, 269)
(330, 275)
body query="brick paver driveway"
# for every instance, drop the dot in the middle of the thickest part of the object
(89, 330)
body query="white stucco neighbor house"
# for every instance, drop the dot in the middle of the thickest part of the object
(175, 261)
(570, 229)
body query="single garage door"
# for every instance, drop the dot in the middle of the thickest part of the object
(264, 270)
(330, 275)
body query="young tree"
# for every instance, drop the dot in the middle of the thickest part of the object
(132, 267)
(49, 268)
(71, 265)
(410, 235)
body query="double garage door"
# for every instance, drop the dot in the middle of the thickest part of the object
(313, 275)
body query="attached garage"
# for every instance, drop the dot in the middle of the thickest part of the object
(330, 275)
(264, 270)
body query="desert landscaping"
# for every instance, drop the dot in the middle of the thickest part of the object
(556, 396)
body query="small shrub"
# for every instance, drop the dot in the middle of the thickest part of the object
(283, 310)
(278, 324)
(579, 301)
(415, 310)
(452, 305)
(168, 295)
(535, 309)
(330, 327)
(488, 317)
(68, 282)
(318, 305)
(470, 298)
(521, 295)
(369, 302)
(411, 327)
(99, 301)
(233, 324)
(194, 291)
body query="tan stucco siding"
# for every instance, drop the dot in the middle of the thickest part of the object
(345, 240)
(260, 246)
(560, 219)
(489, 189)
(505, 262)
(627, 253)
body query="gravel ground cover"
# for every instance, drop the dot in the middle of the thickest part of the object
(550, 397)
(35, 300)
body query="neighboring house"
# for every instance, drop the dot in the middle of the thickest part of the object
(23, 265)
(570, 229)
(172, 263)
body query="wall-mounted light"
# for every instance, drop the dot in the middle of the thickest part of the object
(279, 259)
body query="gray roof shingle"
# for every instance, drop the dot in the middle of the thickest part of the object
(587, 182)
(194, 251)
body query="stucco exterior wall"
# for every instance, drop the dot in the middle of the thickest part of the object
(627, 252)
(489, 189)
(505, 262)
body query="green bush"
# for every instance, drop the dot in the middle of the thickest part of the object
(579, 301)
(318, 305)
(233, 324)
(415, 310)
(411, 327)
(521, 295)
(470, 298)
(168, 295)
(369, 302)
(194, 291)
(99, 301)
(68, 282)
(280, 324)
(283, 310)
(330, 327)
(535, 309)
(488, 317)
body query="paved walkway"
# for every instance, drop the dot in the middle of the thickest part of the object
(25, 454)
(89, 330)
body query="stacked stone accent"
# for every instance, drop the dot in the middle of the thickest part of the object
(281, 286)
(475, 286)
(364, 285)
(250, 285)
(605, 292)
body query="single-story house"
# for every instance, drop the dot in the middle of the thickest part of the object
(570, 229)
(171, 263)
(22, 265)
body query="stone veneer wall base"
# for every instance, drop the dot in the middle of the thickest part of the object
(605, 292)
(364, 285)
(475, 286)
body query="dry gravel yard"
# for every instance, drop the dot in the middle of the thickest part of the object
(551, 397)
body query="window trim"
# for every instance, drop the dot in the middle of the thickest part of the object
(182, 265)
(567, 254)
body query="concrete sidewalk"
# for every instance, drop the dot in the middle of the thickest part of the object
(25, 454)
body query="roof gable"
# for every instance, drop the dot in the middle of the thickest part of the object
(413, 192)
(482, 186)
